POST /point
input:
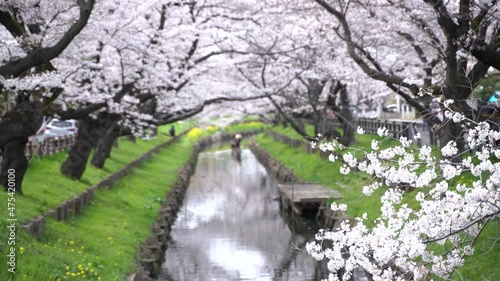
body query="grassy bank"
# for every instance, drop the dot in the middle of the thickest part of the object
(45, 188)
(101, 244)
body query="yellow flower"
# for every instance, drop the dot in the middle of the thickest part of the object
(71, 242)
(72, 250)
(67, 273)
(109, 238)
(89, 264)
(21, 250)
(73, 274)
(67, 268)
(194, 133)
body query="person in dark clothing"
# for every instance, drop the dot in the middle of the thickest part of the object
(235, 148)
(172, 131)
(236, 142)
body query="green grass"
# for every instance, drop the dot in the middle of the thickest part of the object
(109, 231)
(252, 125)
(483, 264)
(360, 141)
(45, 187)
(288, 131)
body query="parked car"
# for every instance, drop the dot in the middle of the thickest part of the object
(391, 108)
(371, 114)
(61, 127)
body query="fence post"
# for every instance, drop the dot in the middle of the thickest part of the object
(28, 149)
(46, 143)
(396, 130)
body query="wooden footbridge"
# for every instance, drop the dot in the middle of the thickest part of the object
(301, 196)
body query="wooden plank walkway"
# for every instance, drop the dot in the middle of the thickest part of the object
(299, 196)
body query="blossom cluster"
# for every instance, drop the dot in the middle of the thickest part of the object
(424, 204)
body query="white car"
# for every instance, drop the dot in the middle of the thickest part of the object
(371, 114)
(61, 127)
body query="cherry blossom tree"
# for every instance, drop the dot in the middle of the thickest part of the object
(411, 45)
(291, 38)
(32, 41)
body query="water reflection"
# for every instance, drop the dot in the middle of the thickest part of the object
(231, 228)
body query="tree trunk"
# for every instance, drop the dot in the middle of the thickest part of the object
(88, 135)
(21, 122)
(14, 163)
(343, 113)
(104, 147)
(327, 129)
(16, 126)
(346, 118)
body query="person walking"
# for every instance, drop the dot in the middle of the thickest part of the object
(172, 131)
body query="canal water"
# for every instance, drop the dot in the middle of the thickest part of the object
(231, 227)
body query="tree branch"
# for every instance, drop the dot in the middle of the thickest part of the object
(40, 56)
(376, 73)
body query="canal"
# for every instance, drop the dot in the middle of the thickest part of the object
(231, 227)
